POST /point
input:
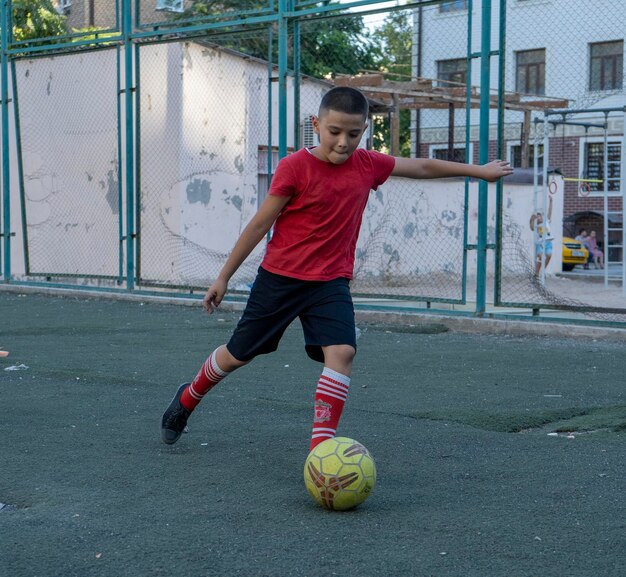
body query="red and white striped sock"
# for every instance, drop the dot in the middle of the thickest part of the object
(330, 397)
(208, 376)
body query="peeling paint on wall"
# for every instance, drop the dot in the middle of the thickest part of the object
(448, 216)
(199, 190)
(112, 194)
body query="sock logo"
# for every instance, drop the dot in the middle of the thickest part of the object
(322, 411)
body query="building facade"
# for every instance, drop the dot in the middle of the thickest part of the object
(552, 52)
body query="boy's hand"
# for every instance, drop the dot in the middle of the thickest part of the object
(495, 169)
(214, 296)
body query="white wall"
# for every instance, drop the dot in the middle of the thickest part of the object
(203, 115)
(414, 228)
(68, 116)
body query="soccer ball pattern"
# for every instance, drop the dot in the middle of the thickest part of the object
(340, 473)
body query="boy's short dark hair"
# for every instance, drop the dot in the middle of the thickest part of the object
(345, 99)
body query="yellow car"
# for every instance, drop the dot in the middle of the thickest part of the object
(574, 252)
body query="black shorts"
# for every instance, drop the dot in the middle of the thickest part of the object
(325, 309)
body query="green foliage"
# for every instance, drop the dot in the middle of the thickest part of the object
(34, 19)
(250, 40)
(93, 33)
(395, 40)
(337, 46)
(328, 46)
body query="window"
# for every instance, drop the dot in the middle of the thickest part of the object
(515, 156)
(530, 71)
(63, 6)
(452, 71)
(263, 170)
(594, 165)
(453, 6)
(606, 66)
(440, 151)
(170, 5)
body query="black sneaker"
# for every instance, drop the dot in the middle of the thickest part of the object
(174, 421)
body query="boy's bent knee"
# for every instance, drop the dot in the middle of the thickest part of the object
(226, 361)
(339, 358)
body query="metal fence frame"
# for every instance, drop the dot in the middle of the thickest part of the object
(284, 17)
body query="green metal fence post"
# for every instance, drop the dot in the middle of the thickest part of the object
(468, 138)
(296, 84)
(283, 36)
(6, 180)
(483, 187)
(129, 150)
(497, 287)
(270, 117)
(20, 167)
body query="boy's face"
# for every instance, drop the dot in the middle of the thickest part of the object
(340, 134)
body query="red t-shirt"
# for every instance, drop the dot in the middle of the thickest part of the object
(315, 235)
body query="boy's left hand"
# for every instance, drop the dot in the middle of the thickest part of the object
(495, 169)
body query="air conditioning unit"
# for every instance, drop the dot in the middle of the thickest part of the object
(307, 135)
(170, 5)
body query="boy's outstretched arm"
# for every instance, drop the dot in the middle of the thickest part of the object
(432, 168)
(251, 235)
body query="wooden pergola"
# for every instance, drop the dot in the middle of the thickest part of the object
(391, 96)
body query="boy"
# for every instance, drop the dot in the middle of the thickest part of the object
(316, 202)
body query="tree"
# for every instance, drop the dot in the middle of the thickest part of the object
(336, 46)
(35, 19)
(328, 46)
(395, 39)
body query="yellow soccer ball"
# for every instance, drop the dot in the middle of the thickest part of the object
(340, 473)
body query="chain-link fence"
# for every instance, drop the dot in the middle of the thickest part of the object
(67, 113)
(569, 75)
(203, 150)
(144, 135)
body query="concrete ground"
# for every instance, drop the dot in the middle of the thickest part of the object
(497, 454)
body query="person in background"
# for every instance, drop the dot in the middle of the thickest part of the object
(583, 238)
(594, 251)
(543, 237)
